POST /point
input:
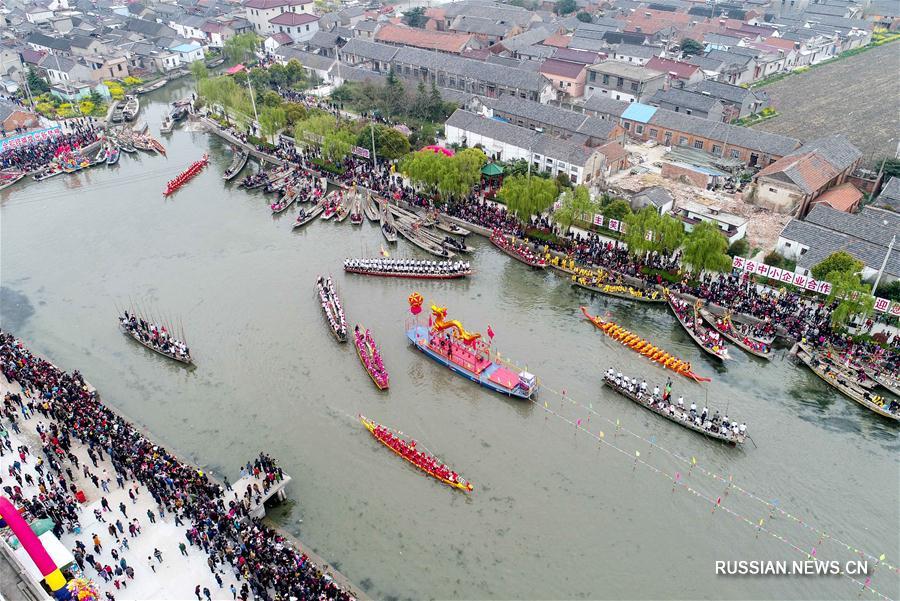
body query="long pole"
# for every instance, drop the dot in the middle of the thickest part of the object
(884, 263)
(374, 158)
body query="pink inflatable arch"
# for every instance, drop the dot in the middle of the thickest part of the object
(32, 545)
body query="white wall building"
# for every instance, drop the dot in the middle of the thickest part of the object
(261, 12)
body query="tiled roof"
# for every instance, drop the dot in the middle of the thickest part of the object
(658, 195)
(721, 90)
(889, 198)
(307, 59)
(843, 198)
(626, 70)
(836, 149)
(492, 128)
(480, 25)
(598, 128)
(557, 40)
(604, 105)
(685, 98)
(562, 68)
(423, 38)
(809, 172)
(39, 39)
(637, 50)
(552, 116)
(370, 50)
(293, 19)
(576, 56)
(744, 137)
(872, 224)
(270, 4)
(665, 65)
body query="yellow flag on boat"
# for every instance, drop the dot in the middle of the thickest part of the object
(385, 253)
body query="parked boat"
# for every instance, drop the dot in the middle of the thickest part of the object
(118, 115)
(369, 207)
(167, 125)
(643, 347)
(886, 381)
(238, 161)
(47, 172)
(412, 235)
(7, 179)
(370, 357)
(873, 402)
(356, 213)
(409, 268)
(127, 146)
(466, 354)
(342, 211)
(331, 307)
(151, 86)
(156, 145)
(450, 228)
(211, 64)
(131, 108)
(420, 460)
(155, 337)
(332, 202)
(180, 112)
(676, 413)
(456, 245)
(710, 341)
(850, 370)
(600, 282)
(519, 252)
(289, 198)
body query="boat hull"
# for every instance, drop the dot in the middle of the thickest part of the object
(413, 276)
(133, 336)
(639, 299)
(711, 320)
(418, 336)
(519, 258)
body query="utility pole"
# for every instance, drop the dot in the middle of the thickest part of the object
(374, 158)
(884, 263)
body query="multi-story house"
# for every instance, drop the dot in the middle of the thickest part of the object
(261, 12)
(622, 81)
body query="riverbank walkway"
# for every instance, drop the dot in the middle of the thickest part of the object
(258, 494)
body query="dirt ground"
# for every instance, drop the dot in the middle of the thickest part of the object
(856, 96)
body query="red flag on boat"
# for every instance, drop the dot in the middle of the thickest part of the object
(490, 333)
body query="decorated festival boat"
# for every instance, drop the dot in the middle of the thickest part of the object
(237, 163)
(419, 459)
(331, 307)
(737, 334)
(370, 357)
(698, 422)
(520, 252)
(601, 282)
(708, 340)
(155, 337)
(409, 268)
(466, 353)
(643, 347)
(873, 402)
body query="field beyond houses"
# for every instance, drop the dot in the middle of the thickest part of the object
(857, 96)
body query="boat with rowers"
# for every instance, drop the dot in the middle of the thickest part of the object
(727, 328)
(308, 214)
(155, 337)
(843, 385)
(342, 211)
(370, 358)
(331, 307)
(409, 268)
(601, 282)
(643, 347)
(853, 372)
(237, 163)
(712, 427)
(112, 154)
(420, 460)
(519, 252)
(356, 211)
(709, 340)
(388, 228)
(263, 178)
(466, 353)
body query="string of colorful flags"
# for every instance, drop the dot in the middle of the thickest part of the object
(772, 505)
(716, 503)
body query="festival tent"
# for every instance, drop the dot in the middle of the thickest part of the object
(58, 552)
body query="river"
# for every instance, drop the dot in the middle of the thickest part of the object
(553, 515)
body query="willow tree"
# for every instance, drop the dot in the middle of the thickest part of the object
(640, 235)
(271, 120)
(452, 177)
(240, 47)
(526, 196)
(852, 295)
(705, 248)
(226, 93)
(575, 204)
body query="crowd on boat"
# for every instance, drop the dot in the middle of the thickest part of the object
(408, 266)
(331, 306)
(421, 459)
(661, 400)
(155, 336)
(187, 175)
(37, 154)
(215, 521)
(743, 333)
(520, 250)
(708, 337)
(371, 358)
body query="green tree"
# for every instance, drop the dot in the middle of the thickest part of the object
(891, 291)
(294, 112)
(452, 177)
(576, 204)
(739, 248)
(394, 93)
(36, 83)
(241, 47)
(420, 108)
(891, 165)
(852, 295)
(641, 231)
(437, 108)
(773, 259)
(704, 248)
(390, 144)
(690, 47)
(669, 234)
(565, 7)
(415, 17)
(584, 17)
(526, 196)
(271, 98)
(294, 73)
(271, 120)
(617, 209)
(839, 261)
(199, 70)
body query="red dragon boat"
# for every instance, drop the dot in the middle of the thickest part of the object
(419, 459)
(519, 252)
(186, 175)
(370, 357)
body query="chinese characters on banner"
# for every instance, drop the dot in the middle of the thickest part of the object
(25, 139)
(781, 275)
(611, 224)
(361, 152)
(598, 220)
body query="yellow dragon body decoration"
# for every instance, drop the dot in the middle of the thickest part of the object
(440, 324)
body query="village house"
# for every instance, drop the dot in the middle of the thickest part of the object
(657, 197)
(440, 41)
(734, 227)
(690, 103)
(15, 118)
(317, 65)
(677, 72)
(298, 26)
(889, 197)
(792, 183)
(261, 12)
(621, 81)
(637, 54)
(737, 102)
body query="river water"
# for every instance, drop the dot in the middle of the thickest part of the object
(553, 515)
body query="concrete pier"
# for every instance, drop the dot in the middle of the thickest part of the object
(258, 495)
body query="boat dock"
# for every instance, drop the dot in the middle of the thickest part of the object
(259, 496)
(216, 129)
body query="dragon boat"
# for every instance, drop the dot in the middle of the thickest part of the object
(738, 335)
(370, 357)
(421, 460)
(466, 353)
(643, 347)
